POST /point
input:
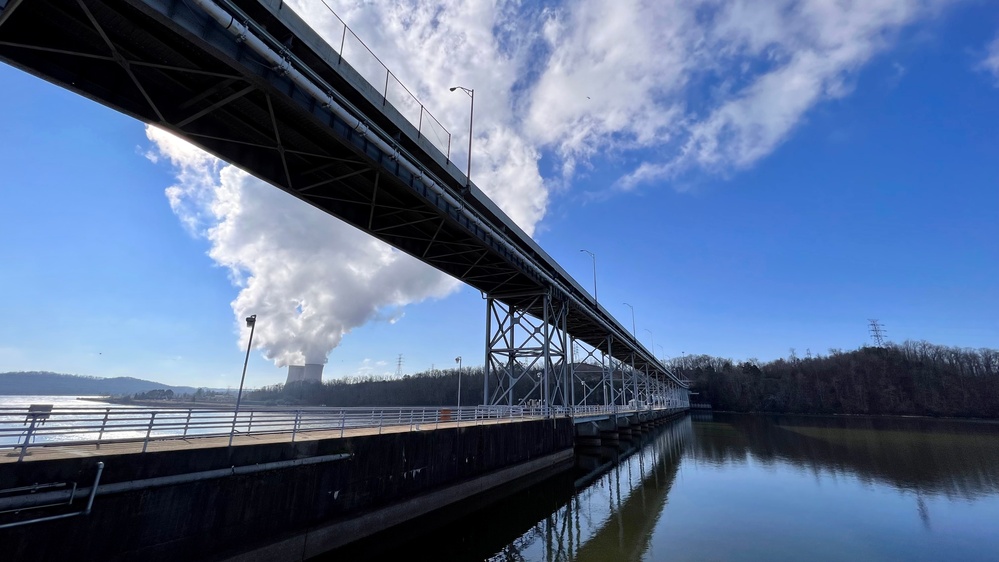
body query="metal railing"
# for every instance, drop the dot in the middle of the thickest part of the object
(23, 429)
(363, 60)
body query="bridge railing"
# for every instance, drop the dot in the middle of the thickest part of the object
(23, 429)
(364, 61)
(41, 426)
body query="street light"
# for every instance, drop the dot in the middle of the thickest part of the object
(471, 116)
(632, 320)
(251, 323)
(594, 256)
(653, 341)
(458, 361)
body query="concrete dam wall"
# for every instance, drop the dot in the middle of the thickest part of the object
(277, 501)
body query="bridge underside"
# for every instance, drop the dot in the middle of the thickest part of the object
(169, 63)
(222, 97)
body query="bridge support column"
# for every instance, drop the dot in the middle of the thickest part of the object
(584, 360)
(526, 356)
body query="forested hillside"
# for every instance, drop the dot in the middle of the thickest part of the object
(914, 378)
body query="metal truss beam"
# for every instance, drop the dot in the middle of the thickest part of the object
(526, 357)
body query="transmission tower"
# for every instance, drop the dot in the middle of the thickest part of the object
(398, 366)
(877, 332)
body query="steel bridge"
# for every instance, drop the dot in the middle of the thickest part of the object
(250, 82)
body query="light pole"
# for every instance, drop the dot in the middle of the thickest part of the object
(663, 352)
(594, 256)
(471, 116)
(458, 361)
(651, 335)
(632, 321)
(251, 323)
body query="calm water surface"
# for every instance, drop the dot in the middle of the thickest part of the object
(733, 487)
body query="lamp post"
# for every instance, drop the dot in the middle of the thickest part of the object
(251, 323)
(594, 256)
(632, 321)
(471, 116)
(651, 335)
(458, 361)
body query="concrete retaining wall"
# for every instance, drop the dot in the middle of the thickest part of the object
(243, 513)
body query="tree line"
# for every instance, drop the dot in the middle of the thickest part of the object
(437, 387)
(912, 378)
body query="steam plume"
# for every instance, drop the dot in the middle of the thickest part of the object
(308, 277)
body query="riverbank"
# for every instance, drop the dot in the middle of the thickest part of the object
(160, 403)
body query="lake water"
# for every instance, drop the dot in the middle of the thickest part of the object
(8, 401)
(741, 487)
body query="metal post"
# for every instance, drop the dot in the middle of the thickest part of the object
(471, 118)
(251, 323)
(610, 374)
(488, 370)
(594, 256)
(632, 321)
(458, 361)
(188, 422)
(385, 93)
(572, 373)
(546, 373)
(343, 39)
(634, 381)
(27, 438)
(107, 412)
(149, 431)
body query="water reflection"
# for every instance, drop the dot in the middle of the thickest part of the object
(924, 456)
(747, 488)
(629, 500)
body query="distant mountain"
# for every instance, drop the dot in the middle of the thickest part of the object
(43, 382)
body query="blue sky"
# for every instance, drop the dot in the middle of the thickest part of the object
(738, 221)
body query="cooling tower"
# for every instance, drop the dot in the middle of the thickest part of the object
(310, 372)
(296, 373)
(313, 372)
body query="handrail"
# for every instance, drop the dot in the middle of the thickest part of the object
(388, 75)
(99, 426)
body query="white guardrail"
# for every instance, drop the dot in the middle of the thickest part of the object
(41, 426)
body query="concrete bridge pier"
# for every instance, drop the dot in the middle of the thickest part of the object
(588, 437)
(625, 434)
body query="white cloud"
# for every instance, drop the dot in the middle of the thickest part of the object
(991, 61)
(310, 279)
(681, 85)
(703, 85)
